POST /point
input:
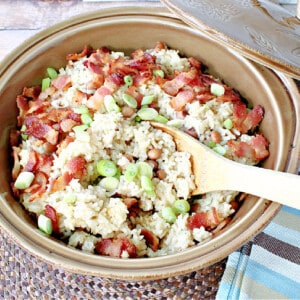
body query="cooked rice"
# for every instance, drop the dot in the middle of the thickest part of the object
(98, 214)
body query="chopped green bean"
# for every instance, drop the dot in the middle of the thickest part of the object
(52, 73)
(147, 99)
(217, 89)
(45, 224)
(131, 172)
(228, 124)
(86, 119)
(45, 83)
(181, 206)
(106, 168)
(159, 73)
(147, 113)
(145, 169)
(161, 119)
(146, 184)
(70, 198)
(109, 183)
(129, 100)
(23, 136)
(175, 123)
(168, 214)
(211, 144)
(118, 174)
(128, 80)
(110, 104)
(220, 149)
(24, 180)
(81, 110)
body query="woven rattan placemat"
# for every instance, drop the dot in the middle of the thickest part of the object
(24, 276)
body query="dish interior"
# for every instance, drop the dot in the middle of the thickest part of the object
(127, 31)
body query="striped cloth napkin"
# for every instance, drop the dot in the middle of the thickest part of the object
(268, 267)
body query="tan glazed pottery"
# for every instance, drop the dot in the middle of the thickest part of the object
(128, 29)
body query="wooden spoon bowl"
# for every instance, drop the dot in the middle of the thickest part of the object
(214, 172)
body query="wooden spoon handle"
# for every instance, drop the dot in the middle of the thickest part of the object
(280, 187)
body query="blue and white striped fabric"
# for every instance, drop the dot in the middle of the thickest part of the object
(268, 267)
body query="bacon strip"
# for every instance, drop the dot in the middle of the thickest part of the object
(256, 150)
(77, 56)
(208, 220)
(152, 240)
(61, 82)
(95, 102)
(244, 121)
(76, 167)
(173, 86)
(181, 99)
(115, 247)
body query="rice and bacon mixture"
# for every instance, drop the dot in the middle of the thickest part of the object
(93, 172)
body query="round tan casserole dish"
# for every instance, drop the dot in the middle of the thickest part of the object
(129, 29)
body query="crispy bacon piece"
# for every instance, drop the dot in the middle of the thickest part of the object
(77, 56)
(204, 96)
(61, 182)
(96, 82)
(173, 86)
(78, 98)
(38, 186)
(59, 114)
(115, 247)
(32, 162)
(142, 78)
(152, 240)
(208, 220)
(132, 205)
(51, 135)
(76, 167)
(229, 96)
(95, 102)
(17, 166)
(181, 114)
(260, 144)
(64, 143)
(242, 149)
(137, 53)
(39, 130)
(38, 106)
(66, 125)
(44, 163)
(195, 63)
(98, 59)
(14, 136)
(145, 62)
(23, 107)
(256, 150)
(51, 213)
(32, 92)
(244, 121)
(122, 67)
(181, 99)
(61, 82)
(160, 46)
(130, 202)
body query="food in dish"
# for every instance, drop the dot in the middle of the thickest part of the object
(92, 171)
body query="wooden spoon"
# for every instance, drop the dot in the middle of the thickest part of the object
(214, 172)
